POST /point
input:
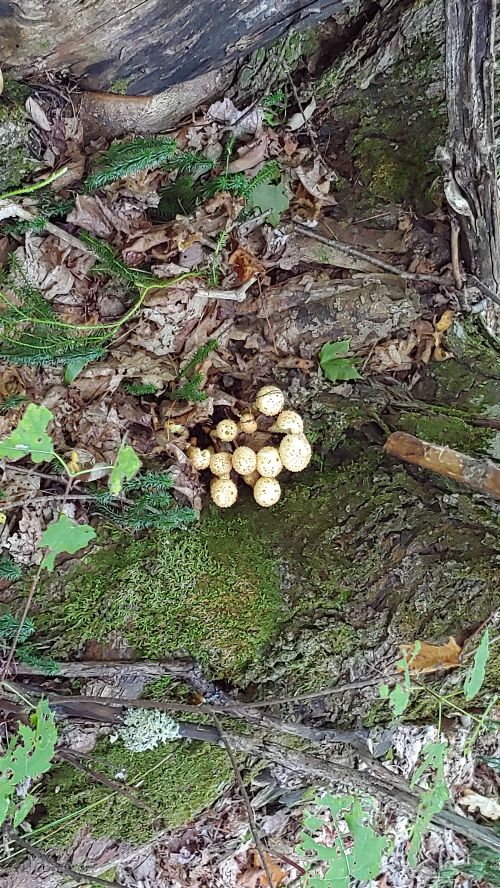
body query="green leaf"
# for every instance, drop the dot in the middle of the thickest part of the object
(367, 849)
(64, 535)
(75, 366)
(433, 759)
(23, 810)
(334, 366)
(270, 197)
(30, 437)
(127, 464)
(432, 802)
(28, 755)
(384, 691)
(399, 698)
(475, 678)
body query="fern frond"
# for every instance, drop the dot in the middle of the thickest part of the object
(110, 264)
(152, 507)
(177, 198)
(123, 159)
(199, 356)
(9, 570)
(140, 388)
(149, 482)
(31, 656)
(190, 391)
(9, 625)
(11, 403)
(23, 226)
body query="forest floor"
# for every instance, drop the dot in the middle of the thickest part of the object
(151, 290)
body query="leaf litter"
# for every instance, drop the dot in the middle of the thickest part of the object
(303, 296)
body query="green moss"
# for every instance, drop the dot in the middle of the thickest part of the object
(452, 431)
(175, 782)
(120, 86)
(212, 591)
(15, 160)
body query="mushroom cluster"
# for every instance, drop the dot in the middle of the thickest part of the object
(258, 466)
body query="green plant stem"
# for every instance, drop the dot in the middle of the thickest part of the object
(28, 189)
(10, 655)
(79, 878)
(480, 725)
(443, 699)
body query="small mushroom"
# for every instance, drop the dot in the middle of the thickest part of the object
(267, 492)
(269, 463)
(295, 452)
(199, 459)
(288, 421)
(247, 424)
(270, 400)
(244, 460)
(252, 479)
(226, 430)
(224, 492)
(221, 463)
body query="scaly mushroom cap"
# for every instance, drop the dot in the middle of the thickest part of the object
(224, 492)
(269, 463)
(295, 452)
(244, 460)
(247, 424)
(270, 400)
(220, 463)
(252, 479)
(199, 459)
(288, 421)
(267, 492)
(226, 430)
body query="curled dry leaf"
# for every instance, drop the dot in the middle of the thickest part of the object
(431, 657)
(246, 264)
(473, 801)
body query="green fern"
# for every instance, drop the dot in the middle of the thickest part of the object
(9, 570)
(124, 159)
(140, 388)
(30, 655)
(9, 625)
(239, 184)
(179, 197)
(149, 504)
(31, 333)
(12, 403)
(190, 389)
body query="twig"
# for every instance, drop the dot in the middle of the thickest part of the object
(237, 295)
(455, 253)
(307, 125)
(246, 801)
(474, 281)
(29, 600)
(9, 208)
(482, 475)
(366, 257)
(78, 878)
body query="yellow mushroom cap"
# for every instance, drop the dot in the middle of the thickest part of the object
(295, 452)
(267, 492)
(224, 492)
(247, 424)
(221, 463)
(269, 463)
(226, 430)
(199, 459)
(270, 400)
(244, 460)
(288, 421)
(252, 479)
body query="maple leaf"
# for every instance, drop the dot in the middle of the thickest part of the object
(30, 436)
(334, 365)
(64, 535)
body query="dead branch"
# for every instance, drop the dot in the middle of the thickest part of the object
(469, 159)
(479, 474)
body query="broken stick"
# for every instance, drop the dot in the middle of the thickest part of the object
(479, 474)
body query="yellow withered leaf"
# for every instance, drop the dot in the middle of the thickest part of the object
(424, 657)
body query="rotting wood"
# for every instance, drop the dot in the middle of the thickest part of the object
(481, 475)
(469, 157)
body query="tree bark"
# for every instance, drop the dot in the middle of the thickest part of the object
(145, 46)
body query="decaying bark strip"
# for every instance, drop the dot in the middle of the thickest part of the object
(469, 158)
(482, 475)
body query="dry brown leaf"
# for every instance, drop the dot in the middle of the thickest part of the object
(249, 156)
(246, 264)
(431, 657)
(445, 321)
(255, 875)
(473, 801)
